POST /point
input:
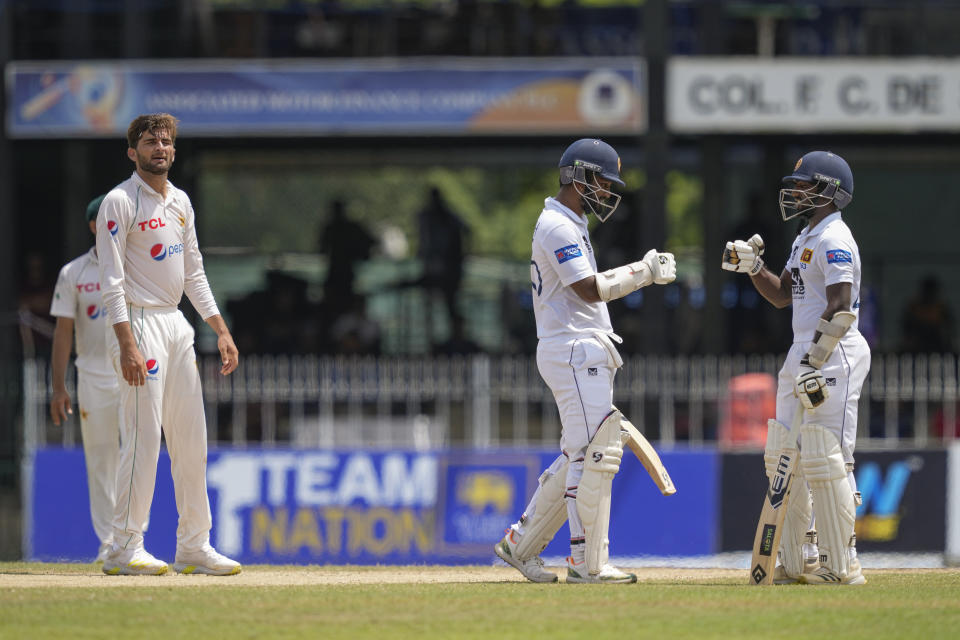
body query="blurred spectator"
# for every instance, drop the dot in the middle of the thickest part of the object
(927, 321)
(354, 333)
(459, 343)
(443, 236)
(346, 243)
(277, 319)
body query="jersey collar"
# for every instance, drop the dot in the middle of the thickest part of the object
(143, 183)
(826, 222)
(556, 205)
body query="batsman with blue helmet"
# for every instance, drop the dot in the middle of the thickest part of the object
(578, 360)
(824, 370)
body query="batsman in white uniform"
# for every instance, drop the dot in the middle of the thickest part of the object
(78, 307)
(824, 370)
(577, 359)
(149, 257)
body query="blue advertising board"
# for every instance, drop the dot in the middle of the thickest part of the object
(295, 506)
(364, 97)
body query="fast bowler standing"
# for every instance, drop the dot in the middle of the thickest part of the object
(78, 307)
(149, 257)
(824, 370)
(578, 360)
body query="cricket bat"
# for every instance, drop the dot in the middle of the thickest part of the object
(648, 457)
(767, 539)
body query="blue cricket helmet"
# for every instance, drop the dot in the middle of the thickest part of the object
(581, 164)
(832, 179)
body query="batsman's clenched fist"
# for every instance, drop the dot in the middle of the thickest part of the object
(744, 256)
(663, 266)
(811, 386)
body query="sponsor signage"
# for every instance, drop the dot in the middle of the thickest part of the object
(904, 500)
(812, 95)
(303, 98)
(370, 507)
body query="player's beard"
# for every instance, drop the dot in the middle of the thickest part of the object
(147, 164)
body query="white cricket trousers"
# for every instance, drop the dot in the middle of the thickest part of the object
(98, 399)
(171, 397)
(580, 374)
(845, 372)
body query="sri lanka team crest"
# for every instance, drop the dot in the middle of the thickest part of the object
(158, 252)
(93, 312)
(112, 227)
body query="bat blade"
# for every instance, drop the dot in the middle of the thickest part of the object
(766, 541)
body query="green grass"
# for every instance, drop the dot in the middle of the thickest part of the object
(331, 604)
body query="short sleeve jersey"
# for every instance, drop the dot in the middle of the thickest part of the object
(824, 256)
(562, 254)
(77, 296)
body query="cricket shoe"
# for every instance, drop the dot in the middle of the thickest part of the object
(608, 574)
(532, 568)
(780, 575)
(103, 552)
(133, 562)
(206, 561)
(823, 575)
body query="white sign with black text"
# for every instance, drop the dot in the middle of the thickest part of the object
(784, 95)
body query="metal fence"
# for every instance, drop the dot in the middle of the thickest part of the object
(483, 401)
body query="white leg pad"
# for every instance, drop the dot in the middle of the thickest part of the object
(823, 466)
(551, 512)
(795, 525)
(600, 464)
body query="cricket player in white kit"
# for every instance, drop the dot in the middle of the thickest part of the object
(78, 307)
(149, 257)
(578, 360)
(824, 370)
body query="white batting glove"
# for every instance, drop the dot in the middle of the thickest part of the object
(811, 386)
(663, 266)
(744, 256)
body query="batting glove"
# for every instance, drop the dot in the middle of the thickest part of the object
(811, 386)
(663, 266)
(744, 256)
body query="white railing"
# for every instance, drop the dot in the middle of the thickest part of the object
(483, 401)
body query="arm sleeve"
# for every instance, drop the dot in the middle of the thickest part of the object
(569, 255)
(113, 224)
(64, 303)
(195, 283)
(836, 260)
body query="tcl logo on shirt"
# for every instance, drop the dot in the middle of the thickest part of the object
(153, 223)
(88, 287)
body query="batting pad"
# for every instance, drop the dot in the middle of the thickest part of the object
(823, 465)
(601, 463)
(799, 508)
(550, 512)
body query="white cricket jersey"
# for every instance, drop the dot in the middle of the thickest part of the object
(827, 255)
(77, 296)
(149, 256)
(562, 255)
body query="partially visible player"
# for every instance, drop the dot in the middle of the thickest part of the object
(149, 257)
(825, 367)
(78, 307)
(578, 360)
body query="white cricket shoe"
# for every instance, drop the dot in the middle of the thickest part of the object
(103, 552)
(780, 575)
(133, 562)
(531, 568)
(609, 574)
(823, 575)
(206, 561)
